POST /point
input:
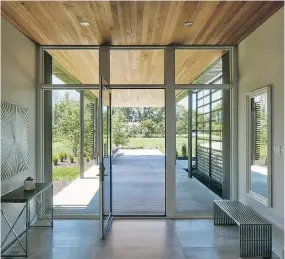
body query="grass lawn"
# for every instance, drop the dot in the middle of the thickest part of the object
(65, 173)
(158, 143)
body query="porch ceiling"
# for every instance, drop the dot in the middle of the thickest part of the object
(138, 22)
(134, 97)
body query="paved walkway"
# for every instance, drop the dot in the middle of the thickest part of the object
(138, 188)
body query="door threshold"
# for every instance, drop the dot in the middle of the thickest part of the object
(76, 216)
(138, 217)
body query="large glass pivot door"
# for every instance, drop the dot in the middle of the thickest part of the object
(105, 157)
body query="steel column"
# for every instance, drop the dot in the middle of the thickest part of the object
(190, 142)
(81, 134)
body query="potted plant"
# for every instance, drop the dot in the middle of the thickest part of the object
(29, 184)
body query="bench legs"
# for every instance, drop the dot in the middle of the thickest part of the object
(255, 240)
(220, 217)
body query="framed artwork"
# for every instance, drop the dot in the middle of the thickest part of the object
(14, 140)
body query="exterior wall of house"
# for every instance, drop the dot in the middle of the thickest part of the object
(261, 63)
(18, 83)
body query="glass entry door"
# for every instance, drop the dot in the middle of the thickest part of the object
(105, 156)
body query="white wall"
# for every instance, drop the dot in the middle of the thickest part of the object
(261, 62)
(18, 86)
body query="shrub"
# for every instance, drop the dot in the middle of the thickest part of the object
(184, 151)
(87, 158)
(65, 156)
(61, 156)
(55, 160)
(71, 159)
(177, 154)
(78, 159)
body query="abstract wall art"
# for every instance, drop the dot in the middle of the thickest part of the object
(14, 140)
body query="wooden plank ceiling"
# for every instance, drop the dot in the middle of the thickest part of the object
(131, 66)
(136, 23)
(76, 66)
(137, 66)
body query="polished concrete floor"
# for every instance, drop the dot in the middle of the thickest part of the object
(135, 239)
(138, 188)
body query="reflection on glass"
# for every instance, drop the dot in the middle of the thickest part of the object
(207, 66)
(73, 66)
(259, 145)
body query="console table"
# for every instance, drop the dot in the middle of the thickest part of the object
(21, 196)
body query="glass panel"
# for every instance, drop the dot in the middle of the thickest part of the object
(145, 66)
(70, 66)
(196, 190)
(68, 180)
(182, 111)
(202, 66)
(138, 138)
(190, 199)
(66, 149)
(259, 145)
(217, 95)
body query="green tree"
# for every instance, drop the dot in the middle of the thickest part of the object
(88, 126)
(69, 124)
(181, 120)
(66, 123)
(148, 128)
(120, 136)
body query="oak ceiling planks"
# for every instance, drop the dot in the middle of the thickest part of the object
(189, 64)
(81, 64)
(137, 66)
(131, 66)
(138, 98)
(138, 22)
(133, 97)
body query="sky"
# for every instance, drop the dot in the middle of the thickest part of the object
(59, 94)
(184, 102)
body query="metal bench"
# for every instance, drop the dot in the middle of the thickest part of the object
(255, 232)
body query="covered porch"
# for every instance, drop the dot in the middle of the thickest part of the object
(138, 187)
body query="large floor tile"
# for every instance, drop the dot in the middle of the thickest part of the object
(215, 238)
(213, 253)
(193, 225)
(140, 239)
(134, 239)
(158, 225)
(77, 225)
(63, 253)
(138, 253)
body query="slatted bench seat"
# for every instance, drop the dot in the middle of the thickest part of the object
(255, 232)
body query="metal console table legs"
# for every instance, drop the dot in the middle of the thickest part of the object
(21, 196)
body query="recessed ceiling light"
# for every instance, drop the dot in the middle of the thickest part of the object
(188, 23)
(83, 23)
